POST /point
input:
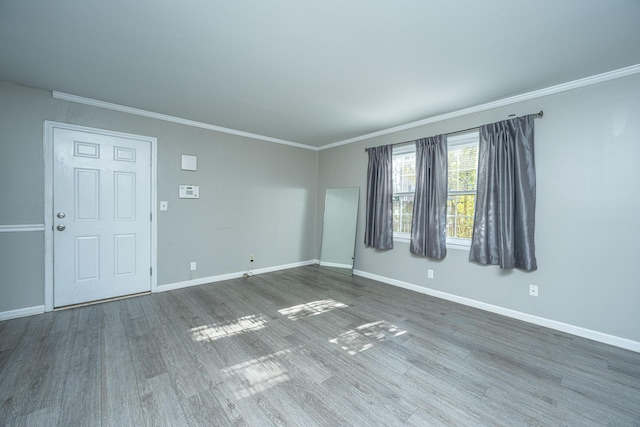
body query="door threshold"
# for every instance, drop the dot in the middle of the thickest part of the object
(100, 301)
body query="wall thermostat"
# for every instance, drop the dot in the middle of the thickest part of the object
(189, 192)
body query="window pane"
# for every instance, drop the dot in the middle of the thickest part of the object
(402, 212)
(404, 173)
(463, 163)
(460, 211)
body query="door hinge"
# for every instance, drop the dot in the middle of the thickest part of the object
(150, 216)
(150, 271)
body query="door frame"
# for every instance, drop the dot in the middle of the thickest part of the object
(49, 126)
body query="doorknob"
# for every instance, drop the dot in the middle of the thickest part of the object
(61, 215)
(61, 227)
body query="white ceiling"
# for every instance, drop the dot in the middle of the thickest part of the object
(311, 72)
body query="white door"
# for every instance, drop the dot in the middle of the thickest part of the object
(101, 216)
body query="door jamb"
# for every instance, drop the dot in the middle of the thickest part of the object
(49, 126)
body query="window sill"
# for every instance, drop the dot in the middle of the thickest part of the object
(457, 244)
(402, 237)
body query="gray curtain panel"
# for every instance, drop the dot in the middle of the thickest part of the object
(429, 222)
(503, 230)
(378, 232)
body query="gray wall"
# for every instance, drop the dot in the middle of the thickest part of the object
(256, 198)
(587, 212)
(267, 200)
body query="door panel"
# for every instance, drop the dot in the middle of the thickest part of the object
(125, 196)
(125, 254)
(102, 224)
(87, 258)
(86, 194)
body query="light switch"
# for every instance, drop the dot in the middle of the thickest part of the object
(164, 205)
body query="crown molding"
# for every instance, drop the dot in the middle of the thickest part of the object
(173, 119)
(563, 87)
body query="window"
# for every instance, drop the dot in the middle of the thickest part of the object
(462, 177)
(404, 185)
(462, 183)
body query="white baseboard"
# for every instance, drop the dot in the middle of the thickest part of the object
(21, 312)
(625, 343)
(39, 309)
(335, 265)
(230, 276)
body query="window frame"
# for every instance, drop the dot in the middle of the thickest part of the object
(456, 140)
(461, 139)
(399, 150)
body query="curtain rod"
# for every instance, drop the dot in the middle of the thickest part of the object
(535, 115)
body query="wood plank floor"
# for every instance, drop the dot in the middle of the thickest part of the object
(305, 347)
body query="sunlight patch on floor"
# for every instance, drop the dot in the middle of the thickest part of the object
(366, 336)
(256, 375)
(216, 331)
(311, 309)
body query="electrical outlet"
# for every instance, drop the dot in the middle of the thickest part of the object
(250, 258)
(430, 274)
(193, 266)
(533, 290)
